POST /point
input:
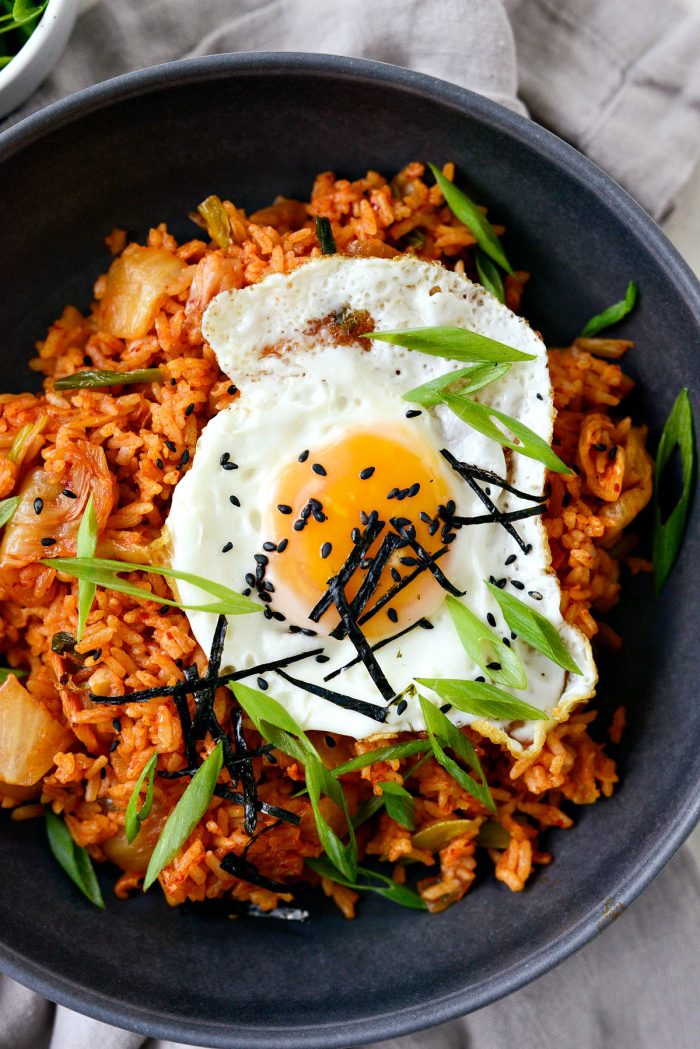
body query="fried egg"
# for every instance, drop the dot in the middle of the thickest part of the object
(319, 454)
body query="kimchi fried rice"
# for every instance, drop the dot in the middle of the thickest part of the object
(130, 446)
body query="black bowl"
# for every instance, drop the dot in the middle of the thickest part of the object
(145, 148)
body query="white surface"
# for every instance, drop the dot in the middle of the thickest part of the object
(31, 66)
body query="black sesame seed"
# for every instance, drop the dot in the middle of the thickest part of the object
(413, 412)
(487, 490)
(355, 535)
(278, 616)
(318, 469)
(511, 559)
(315, 504)
(262, 684)
(528, 548)
(87, 360)
(480, 679)
(179, 663)
(446, 707)
(304, 456)
(401, 706)
(392, 614)
(231, 390)
(267, 585)
(225, 458)
(305, 513)
(490, 619)
(402, 494)
(38, 505)
(425, 518)
(184, 458)
(450, 537)
(372, 517)
(47, 541)
(173, 382)
(282, 545)
(433, 527)
(363, 517)
(263, 596)
(500, 583)
(425, 624)
(226, 547)
(171, 446)
(247, 592)
(260, 572)
(269, 546)
(410, 562)
(393, 493)
(189, 409)
(322, 659)
(163, 610)
(329, 741)
(299, 525)
(413, 490)
(320, 516)
(506, 642)
(267, 612)
(234, 500)
(68, 494)
(261, 559)
(115, 744)
(493, 666)
(326, 549)
(613, 452)
(230, 466)
(535, 595)
(159, 464)
(395, 575)
(284, 508)
(366, 473)
(250, 579)
(513, 635)
(517, 584)
(116, 724)
(600, 447)
(539, 396)
(451, 507)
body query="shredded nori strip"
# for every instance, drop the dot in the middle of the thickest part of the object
(464, 472)
(490, 477)
(250, 790)
(427, 560)
(398, 587)
(224, 792)
(352, 563)
(501, 516)
(370, 710)
(390, 542)
(183, 713)
(380, 644)
(263, 668)
(204, 698)
(247, 871)
(359, 641)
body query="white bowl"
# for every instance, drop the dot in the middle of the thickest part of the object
(33, 63)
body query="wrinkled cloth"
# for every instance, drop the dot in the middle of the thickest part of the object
(620, 80)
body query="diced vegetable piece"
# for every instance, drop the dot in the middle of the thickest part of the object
(136, 289)
(29, 736)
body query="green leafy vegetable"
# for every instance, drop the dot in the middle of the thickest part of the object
(393, 752)
(678, 431)
(493, 835)
(134, 816)
(73, 858)
(218, 226)
(387, 888)
(480, 416)
(443, 733)
(85, 547)
(186, 814)
(485, 648)
(92, 378)
(104, 573)
(6, 672)
(613, 314)
(464, 380)
(489, 275)
(455, 344)
(482, 700)
(7, 509)
(324, 233)
(473, 218)
(534, 628)
(399, 803)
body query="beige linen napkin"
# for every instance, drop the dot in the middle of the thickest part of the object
(620, 79)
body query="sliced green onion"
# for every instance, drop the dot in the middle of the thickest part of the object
(218, 226)
(678, 431)
(92, 378)
(85, 547)
(493, 835)
(473, 218)
(387, 888)
(443, 733)
(6, 672)
(25, 437)
(489, 274)
(399, 804)
(134, 816)
(104, 573)
(74, 859)
(485, 648)
(479, 417)
(393, 752)
(440, 834)
(455, 344)
(324, 234)
(7, 509)
(482, 700)
(534, 628)
(612, 314)
(464, 380)
(318, 781)
(186, 814)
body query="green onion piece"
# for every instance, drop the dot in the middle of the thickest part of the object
(25, 436)
(440, 834)
(489, 275)
(318, 781)
(7, 509)
(442, 733)
(464, 380)
(387, 888)
(493, 835)
(467, 212)
(368, 809)
(85, 547)
(26, 10)
(104, 573)
(215, 215)
(479, 417)
(324, 233)
(74, 859)
(455, 344)
(5, 60)
(613, 314)
(532, 627)
(6, 672)
(260, 707)
(482, 700)
(92, 378)
(393, 752)
(399, 804)
(134, 816)
(484, 646)
(678, 431)
(186, 814)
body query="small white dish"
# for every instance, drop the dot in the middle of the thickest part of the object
(33, 63)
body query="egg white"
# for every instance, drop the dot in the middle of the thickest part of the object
(307, 392)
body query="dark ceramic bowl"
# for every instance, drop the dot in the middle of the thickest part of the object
(144, 149)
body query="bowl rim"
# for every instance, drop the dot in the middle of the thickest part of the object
(562, 156)
(32, 48)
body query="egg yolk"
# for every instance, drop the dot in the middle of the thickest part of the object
(321, 503)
